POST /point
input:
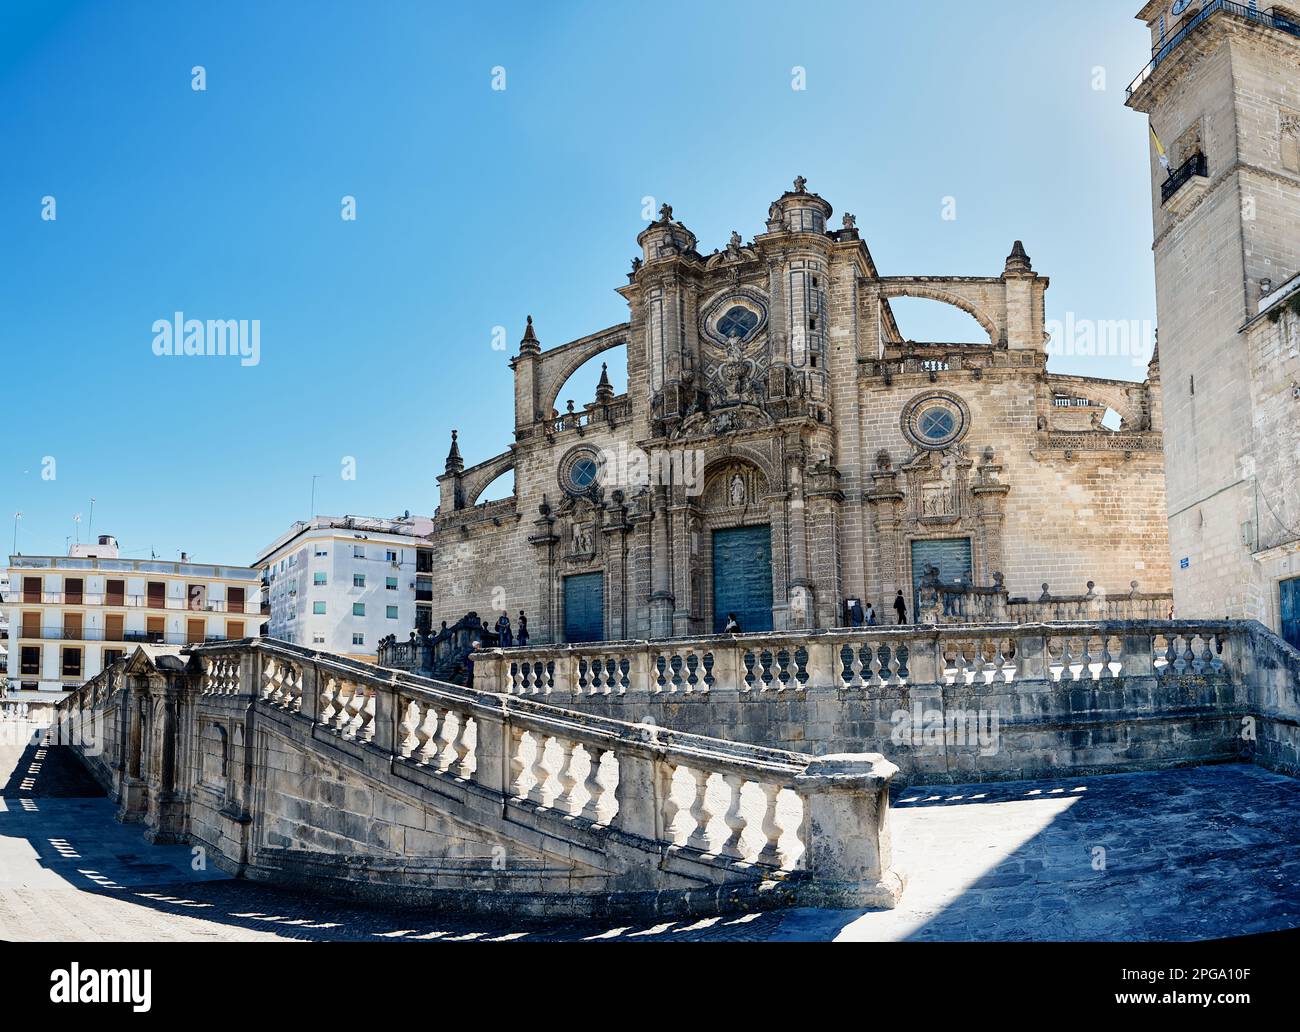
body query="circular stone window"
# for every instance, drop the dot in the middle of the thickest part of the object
(580, 471)
(935, 421)
(737, 321)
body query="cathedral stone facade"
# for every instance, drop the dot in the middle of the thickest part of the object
(782, 450)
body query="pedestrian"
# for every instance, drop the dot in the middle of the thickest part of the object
(504, 635)
(856, 616)
(474, 649)
(900, 607)
(733, 625)
(523, 629)
(871, 615)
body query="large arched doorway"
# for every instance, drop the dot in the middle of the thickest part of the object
(739, 547)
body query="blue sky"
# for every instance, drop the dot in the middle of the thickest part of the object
(476, 207)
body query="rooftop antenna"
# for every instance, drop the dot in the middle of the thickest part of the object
(90, 533)
(76, 522)
(17, 516)
(314, 478)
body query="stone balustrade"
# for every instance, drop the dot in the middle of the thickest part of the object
(972, 604)
(292, 766)
(862, 657)
(1007, 700)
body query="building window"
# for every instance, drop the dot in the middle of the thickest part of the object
(390, 583)
(579, 471)
(358, 609)
(318, 608)
(737, 322)
(318, 579)
(392, 556)
(358, 639)
(234, 629)
(31, 661)
(293, 561)
(317, 638)
(358, 580)
(111, 656)
(72, 661)
(358, 551)
(392, 612)
(935, 421)
(936, 424)
(321, 552)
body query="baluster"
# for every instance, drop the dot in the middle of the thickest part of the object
(1085, 670)
(519, 769)
(699, 837)
(538, 770)
(365, 731)
(328, 699)
(591, 785)
(568, 779)
(412, 718)
(1067, 661)
(1107, 658)
(770, 853)
(733, 845)
(672, 809)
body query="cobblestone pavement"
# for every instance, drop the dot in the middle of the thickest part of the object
(1196, 853)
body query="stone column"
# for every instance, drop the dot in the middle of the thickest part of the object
(849, 858)
(799, 614)
(824, 501)
(886, 501)
(662, 603)
(544, 539)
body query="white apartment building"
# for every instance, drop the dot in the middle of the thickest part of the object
(4, 623)
(340, 583)
(71, 616)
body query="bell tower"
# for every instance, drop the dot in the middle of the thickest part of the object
(1222, 93)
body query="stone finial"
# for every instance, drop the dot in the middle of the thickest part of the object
(665, 213)
(849, 220)
(800, 184)
(604, 389)
(455, 464)
(1018, 262)
(530, 345)
(734, 243)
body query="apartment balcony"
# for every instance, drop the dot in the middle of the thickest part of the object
(99, 634)
(114, 601)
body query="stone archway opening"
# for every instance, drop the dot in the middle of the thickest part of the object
(927, 320)
(581, 384)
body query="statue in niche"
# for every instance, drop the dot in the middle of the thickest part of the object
(737, 490)
(581, 539)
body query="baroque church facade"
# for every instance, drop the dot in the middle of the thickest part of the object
(781, 449)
